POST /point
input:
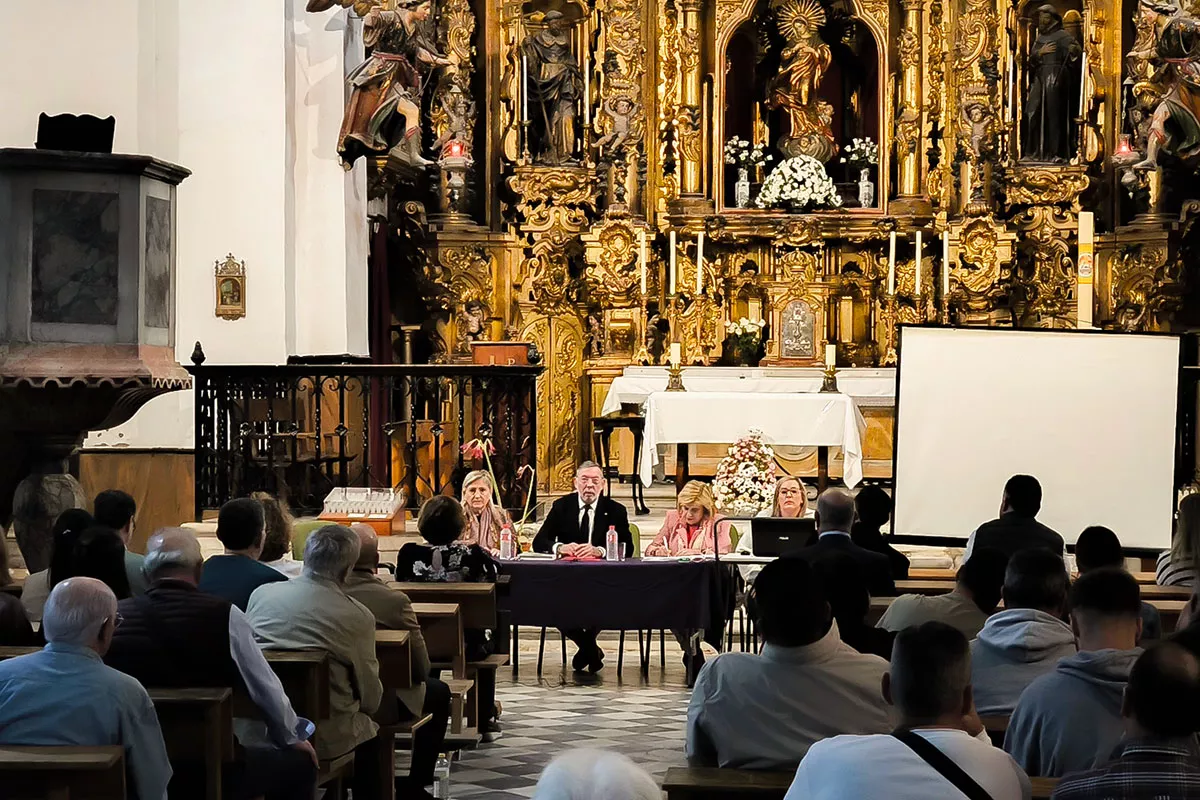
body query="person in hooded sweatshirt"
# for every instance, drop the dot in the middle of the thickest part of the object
(1070, 719)
(1028, 637)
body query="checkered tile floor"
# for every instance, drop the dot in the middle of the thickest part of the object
(541, 721)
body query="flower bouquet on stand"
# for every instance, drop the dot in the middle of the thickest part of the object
(745, 336)
(745, 481)
(745, 156)
(799, 184)
(860, 156)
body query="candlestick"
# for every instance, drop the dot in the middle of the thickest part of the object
(892, 263)
(676, 355)
(917, 270)
(699, 263)
(671, 245)
(946, 267)
(642, 259)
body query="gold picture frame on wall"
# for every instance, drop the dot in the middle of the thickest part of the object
(231, 288)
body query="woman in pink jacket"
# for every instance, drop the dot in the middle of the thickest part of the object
(694, 527)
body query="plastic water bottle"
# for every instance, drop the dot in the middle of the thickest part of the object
(506, 542)
(612, 545)
(441, 777)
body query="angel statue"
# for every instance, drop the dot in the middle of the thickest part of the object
(1175, 125)
(387, 87)
(804, 60)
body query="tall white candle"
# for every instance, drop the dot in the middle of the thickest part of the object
(830, 356)
(1085, 290)
(524, 88)
(892, 263)
(642, 259)
(699, 263)
(671, 245)
(917, 268)
(676, 355)
(587, 90)
(946, 265)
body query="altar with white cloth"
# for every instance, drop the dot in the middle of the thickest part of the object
(791, 418)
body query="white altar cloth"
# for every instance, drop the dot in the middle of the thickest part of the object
(869, 387)
(695, 417)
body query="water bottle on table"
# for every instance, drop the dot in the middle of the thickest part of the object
(441, 777)
(506, 543)
(612, 545)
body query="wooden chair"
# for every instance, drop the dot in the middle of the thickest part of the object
(707, 783)
(62, 773)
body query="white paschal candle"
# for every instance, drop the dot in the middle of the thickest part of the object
(642, 259)
(676, 354)
(892, 263)
(917, 268)
(524, 88)
(830, 356)
(946, 264)
(699, 263)
(671, 246)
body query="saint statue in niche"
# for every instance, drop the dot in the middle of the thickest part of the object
(804, 60)
(383, 113)
(1053, 97)
(555, 84)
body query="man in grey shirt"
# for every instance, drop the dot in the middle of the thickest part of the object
(975, 595)
(764, 711)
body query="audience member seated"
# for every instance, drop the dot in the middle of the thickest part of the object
(67, 529)
(765, 711)
(314, 611)
(1028, 637)
(835, 516)
(1070, 719)
(176, 636)
(595, 775)
(1098, 547)
(484, 518)
(846, 589)
(99, 553)
(64, 695)
(116, 509)
(874, 510)
(977, 587)
(393, 610)
(15, 629)
(693, 527)
(241, 527)
(929, 685)
(1017, 527)
(277, 541)
(1177, 566)
(791, 502)
(1157, 758)
(575, 527)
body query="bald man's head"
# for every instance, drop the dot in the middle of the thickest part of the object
(368, 546)
(80, 612)
(173, 553)
(835, 510)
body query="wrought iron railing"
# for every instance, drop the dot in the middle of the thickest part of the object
(297, 431)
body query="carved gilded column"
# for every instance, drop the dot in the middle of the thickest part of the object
(689, 123)
(910, 197)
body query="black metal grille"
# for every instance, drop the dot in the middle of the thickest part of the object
(298, 431)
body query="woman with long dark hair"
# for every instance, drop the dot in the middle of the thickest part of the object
(67, 528)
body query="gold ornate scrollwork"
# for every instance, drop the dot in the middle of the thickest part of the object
(463, 280)
(555, 203)
(611, 275)
(980, 264)
(1046, 185)
(1047, 276)
(799, 232)
(1147, 286)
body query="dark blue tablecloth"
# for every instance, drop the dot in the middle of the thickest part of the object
(626, 595)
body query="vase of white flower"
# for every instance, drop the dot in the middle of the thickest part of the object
(861, 155)
(799, 184)
(866, 189)
(741, 189)
(745, 336)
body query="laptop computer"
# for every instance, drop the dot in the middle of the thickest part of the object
(780, 536)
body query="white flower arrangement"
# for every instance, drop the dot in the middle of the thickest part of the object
(746, 327)
(745, 480)
(740, 153)
(801, 183)
(861, 153)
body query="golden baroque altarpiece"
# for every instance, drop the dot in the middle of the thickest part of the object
(531, 161)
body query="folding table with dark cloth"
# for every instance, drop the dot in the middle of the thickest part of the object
(627, 595)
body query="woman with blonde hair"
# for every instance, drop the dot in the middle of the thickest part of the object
(277, 541)
(791, 502)
(694, 528)
(484, 519)
(1177, 566)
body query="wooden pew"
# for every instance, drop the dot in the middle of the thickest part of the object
(710, 783)
(933, 587)
(197, 727)
(394, 652)
(442, 628)
(996, 726)
(16, 652)
(1043, 787)
(916, 574)
(1169, 610)
(62, 773)
(14, 588)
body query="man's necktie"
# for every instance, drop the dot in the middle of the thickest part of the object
(585, 524)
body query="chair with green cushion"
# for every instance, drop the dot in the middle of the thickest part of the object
(734, 538)
(301, 529)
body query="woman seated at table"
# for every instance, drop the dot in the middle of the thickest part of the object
(690, 530)
(791, 502)
(446, 558)
(484, 519)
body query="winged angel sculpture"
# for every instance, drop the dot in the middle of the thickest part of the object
(805, 59)
(383, 113)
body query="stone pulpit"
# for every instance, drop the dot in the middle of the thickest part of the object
(87, 317)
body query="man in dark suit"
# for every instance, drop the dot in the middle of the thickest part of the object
(575, 527)
(1017, 529)
(835, 516)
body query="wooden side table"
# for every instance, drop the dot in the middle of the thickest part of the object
(602, 430)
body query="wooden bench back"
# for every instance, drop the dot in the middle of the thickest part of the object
(477, 600)
(442, 628)
(62, 773)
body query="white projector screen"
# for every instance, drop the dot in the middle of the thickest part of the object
(1091, 415)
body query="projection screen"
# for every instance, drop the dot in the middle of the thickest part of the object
(1091, 415)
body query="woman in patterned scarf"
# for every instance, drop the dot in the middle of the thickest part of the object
(484, 519)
